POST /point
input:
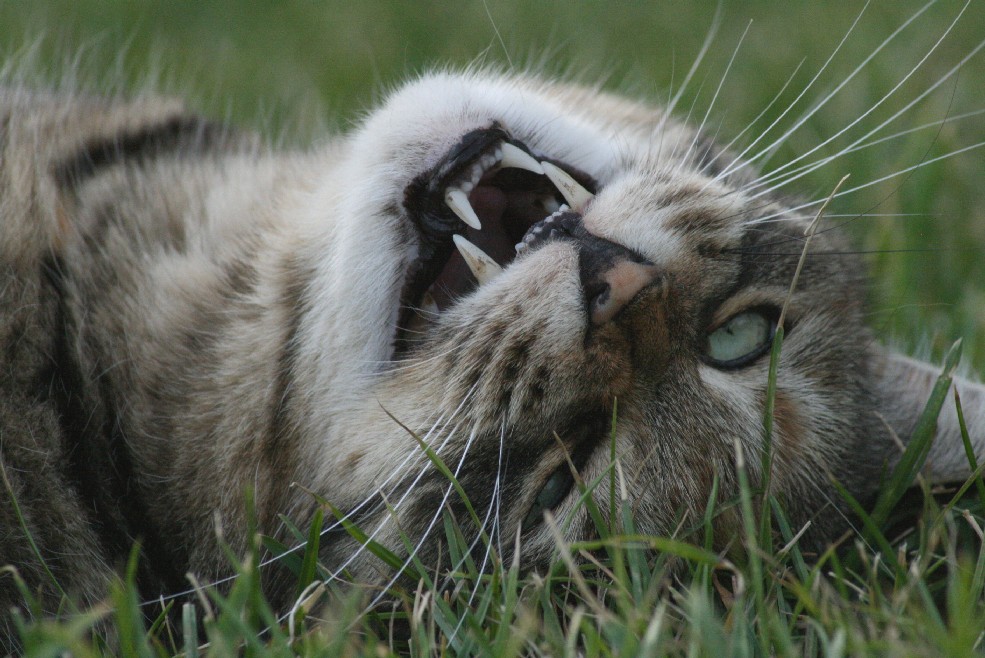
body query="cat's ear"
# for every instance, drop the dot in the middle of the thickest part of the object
(904, 385)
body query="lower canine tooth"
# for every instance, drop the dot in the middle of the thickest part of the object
(483, 267)
(576, 195)
(459, 204)
(517, 158)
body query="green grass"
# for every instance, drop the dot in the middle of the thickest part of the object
(915, 591)
(292, 69)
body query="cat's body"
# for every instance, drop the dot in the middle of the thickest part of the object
(188, 319)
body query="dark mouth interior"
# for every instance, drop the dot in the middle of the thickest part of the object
(508, 202)
(499, 180)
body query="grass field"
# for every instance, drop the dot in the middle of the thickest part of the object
(294, 70)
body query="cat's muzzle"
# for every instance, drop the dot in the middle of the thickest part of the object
(491, 198)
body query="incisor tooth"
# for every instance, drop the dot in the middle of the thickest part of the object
(458, 201)
(576, 195)
(514, 156)
(483, 267)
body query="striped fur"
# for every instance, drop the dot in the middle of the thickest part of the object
(189, 319)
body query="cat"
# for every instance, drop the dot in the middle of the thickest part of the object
(522, 275)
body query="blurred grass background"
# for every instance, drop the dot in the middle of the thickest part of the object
(295, 69)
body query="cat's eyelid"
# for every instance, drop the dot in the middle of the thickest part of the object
(751, 297)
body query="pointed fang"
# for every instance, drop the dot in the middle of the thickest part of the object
(458, 201)
(576, 195)
(515, 157)
(483, 267)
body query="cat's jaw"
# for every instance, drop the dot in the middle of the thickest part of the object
(367, 194)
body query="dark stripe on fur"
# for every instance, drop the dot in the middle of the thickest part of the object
(295, 304)
(100, 464)
(180, 133)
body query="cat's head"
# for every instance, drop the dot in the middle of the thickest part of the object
(627, 281)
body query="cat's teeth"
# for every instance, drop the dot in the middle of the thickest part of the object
(517, 158)
(483, 267)
(458, 201)
(576, 195)
(537, 231)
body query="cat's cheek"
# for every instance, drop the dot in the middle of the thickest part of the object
(791, 432)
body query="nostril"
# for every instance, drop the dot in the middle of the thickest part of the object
(615, 286)
(597, 293)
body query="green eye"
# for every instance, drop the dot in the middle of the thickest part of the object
(742, 339)
(550, 496)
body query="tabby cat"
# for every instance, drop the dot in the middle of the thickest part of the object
(522, 275)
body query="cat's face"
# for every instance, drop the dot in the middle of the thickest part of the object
(635, 321)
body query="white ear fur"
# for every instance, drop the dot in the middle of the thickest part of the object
(904, 387)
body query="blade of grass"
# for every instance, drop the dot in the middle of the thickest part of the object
(284, 556)
(379, 550)
(189, 628)
(18, 514)
(918, 447)
(751, 542)
(969, 451)
(872, 530)
(129, 619)
(309, 563)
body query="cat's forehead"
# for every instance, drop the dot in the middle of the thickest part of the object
(711, 238)
(679, 219)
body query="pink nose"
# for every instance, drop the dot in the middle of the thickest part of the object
(621, 283)
(611, 274)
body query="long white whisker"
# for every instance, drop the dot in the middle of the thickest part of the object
(705, 47)
(406, 463)
(749, 126)
(490, 535)
(909, 131)
(850, 190)
(879, 102)
(857, 146)
(427, 530)
(806, 169)
(718, 90)
(412, 458)
(827, 98)
(680, 133)
(740, 157)
(409, 489)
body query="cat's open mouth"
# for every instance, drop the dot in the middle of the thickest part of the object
(473, 210)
